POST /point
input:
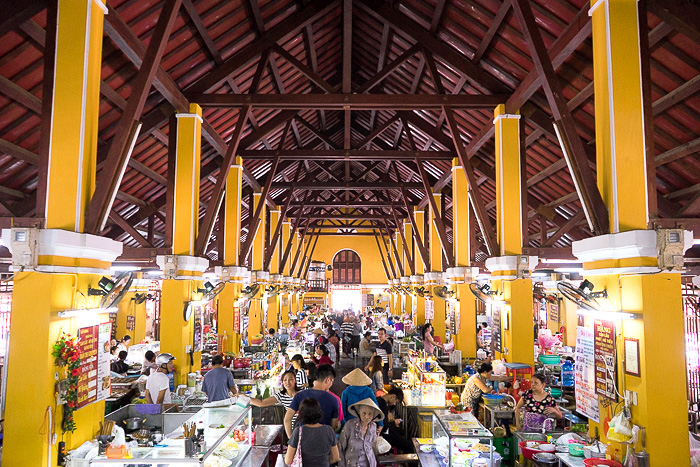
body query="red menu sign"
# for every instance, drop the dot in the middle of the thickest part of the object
(87, 381)
(236, 316)
(604, 350)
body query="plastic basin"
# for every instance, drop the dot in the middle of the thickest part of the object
(529, 452)
(549, 359)
(576, 449)
(493, 399)
(598, 462)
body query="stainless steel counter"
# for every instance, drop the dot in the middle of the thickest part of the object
(426, 459)
(265, 435)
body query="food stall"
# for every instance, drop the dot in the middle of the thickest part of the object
(427, 381)
(424, 389)
(216, 436)
(458, 439)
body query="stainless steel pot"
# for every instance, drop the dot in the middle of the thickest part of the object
(134, 423)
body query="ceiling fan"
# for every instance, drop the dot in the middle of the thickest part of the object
(582, 295)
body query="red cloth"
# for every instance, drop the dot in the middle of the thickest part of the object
(340, 407)
(323, 360)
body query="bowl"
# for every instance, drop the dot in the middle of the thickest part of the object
(545, 458)
(600, 463)
(576, 449)
(493, 399)
(549, 359)
(594, 451)
(529, 448)
(556, 393)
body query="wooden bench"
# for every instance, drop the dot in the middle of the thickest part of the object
(398, 459)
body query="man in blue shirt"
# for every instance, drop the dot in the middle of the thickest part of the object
(325, 375)
(218, 381)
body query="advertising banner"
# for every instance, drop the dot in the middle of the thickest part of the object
(584, 374)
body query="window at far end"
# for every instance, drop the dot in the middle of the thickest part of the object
(347, 268)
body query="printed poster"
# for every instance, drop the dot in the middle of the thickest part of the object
(584, 374)
(104, 387)
(87, 381)
(496, 328)
(93, 382)
(429, 309)
(130, 323)
(553, 312)
(604, 345)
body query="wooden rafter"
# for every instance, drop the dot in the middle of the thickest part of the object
(574, 152)
(124, 139)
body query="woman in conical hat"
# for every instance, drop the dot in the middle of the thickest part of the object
(358, 389)
(358, 435)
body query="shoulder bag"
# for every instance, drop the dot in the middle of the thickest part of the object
(297, 462)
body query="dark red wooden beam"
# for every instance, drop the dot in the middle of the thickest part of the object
(120, 148)
(345, 155)
(574, 151)
(217, 194)
(350, 101)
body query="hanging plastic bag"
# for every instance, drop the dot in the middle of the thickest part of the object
(620, 428)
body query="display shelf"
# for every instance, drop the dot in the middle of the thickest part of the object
(171, 449)
(463, 434)
(427, 387)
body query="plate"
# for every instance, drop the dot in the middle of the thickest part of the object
(427, 447)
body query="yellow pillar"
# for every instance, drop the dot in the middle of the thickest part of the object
(39, 296)
(129, 308)
(509, 271)
(509, 225)
(286, 299)
(465, 339)
(180, 287)
(294, 301)
(619, 119)
(273, 303)
(75, 110)
(186, 196)
(256, 312)
(406, 301)
(228, 299)
(620, 262)
(418, 302)
(657, 323)
(436, 269)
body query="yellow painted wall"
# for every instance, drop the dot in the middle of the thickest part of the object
(175, 332)
(364, 246)
(128, 307)
(37, 298)
(661, 388)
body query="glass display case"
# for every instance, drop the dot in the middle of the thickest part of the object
(459, 439)
(426, 380)
(227, 442)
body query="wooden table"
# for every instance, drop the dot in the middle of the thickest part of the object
(426, 459)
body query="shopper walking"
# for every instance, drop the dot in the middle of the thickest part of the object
(359, 434)
(313, 444)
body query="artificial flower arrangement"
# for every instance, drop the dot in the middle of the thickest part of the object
(67, 353)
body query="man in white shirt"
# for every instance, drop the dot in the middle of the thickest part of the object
(158, 383)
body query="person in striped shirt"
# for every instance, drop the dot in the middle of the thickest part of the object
(385, 350)
(299, 366)
(283, 396)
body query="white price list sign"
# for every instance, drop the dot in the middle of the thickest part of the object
(586, 397)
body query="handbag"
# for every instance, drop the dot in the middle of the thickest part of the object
(381, 446)
(297, 462)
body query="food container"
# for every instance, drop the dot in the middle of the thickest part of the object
(134, 423)
(549, 359)
(576, 450)
(529, 448)
(545, 458)
(601, 463)
(595, 451)
(493, 399)
(547, 447)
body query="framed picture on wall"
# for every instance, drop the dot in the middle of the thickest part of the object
(632, 356)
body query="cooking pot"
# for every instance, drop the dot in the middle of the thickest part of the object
(134, 423)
